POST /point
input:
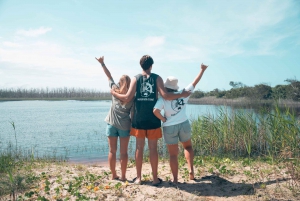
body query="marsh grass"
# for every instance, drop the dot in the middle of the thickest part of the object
(241, 133)
(16, 169)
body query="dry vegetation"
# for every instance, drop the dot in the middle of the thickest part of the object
(216, 179)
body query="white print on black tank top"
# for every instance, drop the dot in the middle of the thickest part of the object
(177, 105)
(146, 89)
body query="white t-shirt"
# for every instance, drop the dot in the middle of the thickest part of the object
(174, 110)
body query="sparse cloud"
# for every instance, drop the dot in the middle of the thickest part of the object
(178, 33)
(11, 44)
(154, 41)
(34, 32)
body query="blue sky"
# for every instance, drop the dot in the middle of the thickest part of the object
(54, 43)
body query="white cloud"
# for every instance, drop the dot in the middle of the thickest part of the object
(33, 32)
(154, 41)
(230, 28)
(11, 44)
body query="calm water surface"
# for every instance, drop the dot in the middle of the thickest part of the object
(75, 129)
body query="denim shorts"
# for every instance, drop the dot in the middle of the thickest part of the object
(180, 131)
(112, 131)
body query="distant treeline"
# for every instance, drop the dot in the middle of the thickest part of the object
(56, 93)
(291, 91)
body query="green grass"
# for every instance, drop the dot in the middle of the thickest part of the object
(17, 170)
(241, 133)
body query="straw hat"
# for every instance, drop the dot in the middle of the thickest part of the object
(171, 83)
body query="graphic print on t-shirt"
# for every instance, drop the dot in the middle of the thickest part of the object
(177, 105)
(146, 89)
(118, 105)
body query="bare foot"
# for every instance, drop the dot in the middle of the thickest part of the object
(137, 181)
(157, 183)
(192, 177)
(115, 177)
(123, 179)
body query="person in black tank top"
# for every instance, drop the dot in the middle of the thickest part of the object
(145, 124)
(145, 99)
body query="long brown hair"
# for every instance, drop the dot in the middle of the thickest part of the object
(124, 84)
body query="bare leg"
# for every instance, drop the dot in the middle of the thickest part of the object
(140, 143)
(113, 142)
(153, 159)
(173, 151)
(189, 155)
(123, 156)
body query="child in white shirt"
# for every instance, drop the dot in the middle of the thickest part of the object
(176, 124)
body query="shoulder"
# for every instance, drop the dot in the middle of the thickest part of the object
(112, 83)
(138, 76)
(154, 75)
(159, 103)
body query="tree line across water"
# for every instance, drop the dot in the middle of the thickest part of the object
(56, 93)
(290, 91)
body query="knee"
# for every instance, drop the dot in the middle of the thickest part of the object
(153, 151)
(173, 155)
(123, 155)
(112, 151)
(189, 148)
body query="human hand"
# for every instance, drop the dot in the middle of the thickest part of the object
(203, 66)
(101, 60)
(112, 92)
(185, 93)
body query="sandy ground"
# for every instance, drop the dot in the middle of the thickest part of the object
(92, 182)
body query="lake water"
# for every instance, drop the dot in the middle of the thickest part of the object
(72, 128)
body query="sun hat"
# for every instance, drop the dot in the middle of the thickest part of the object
(171, 83)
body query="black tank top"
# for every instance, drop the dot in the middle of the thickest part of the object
(145, 99)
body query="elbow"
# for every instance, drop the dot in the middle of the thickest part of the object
(156, 111)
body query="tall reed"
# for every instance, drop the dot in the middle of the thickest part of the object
(243, 133)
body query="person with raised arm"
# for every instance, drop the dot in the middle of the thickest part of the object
(118, 122)
(176, 125)
(145, 124)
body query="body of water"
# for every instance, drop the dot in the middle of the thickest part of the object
(75, 129)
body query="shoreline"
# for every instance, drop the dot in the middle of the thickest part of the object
(210, 100)
(90, 162)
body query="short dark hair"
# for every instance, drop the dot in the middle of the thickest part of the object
(146, 62)
(171, 90)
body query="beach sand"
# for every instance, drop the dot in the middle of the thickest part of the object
(234, 182)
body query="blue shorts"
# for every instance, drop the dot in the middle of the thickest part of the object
(180, 131)
(112, 131)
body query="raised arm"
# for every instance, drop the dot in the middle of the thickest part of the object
(169, 95)
(106, 71)
(130, 93)
(198, 77)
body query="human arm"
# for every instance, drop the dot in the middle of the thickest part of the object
(198, 77)
(130, 93)
(169, 95)
(158, 115)
(106, 71)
